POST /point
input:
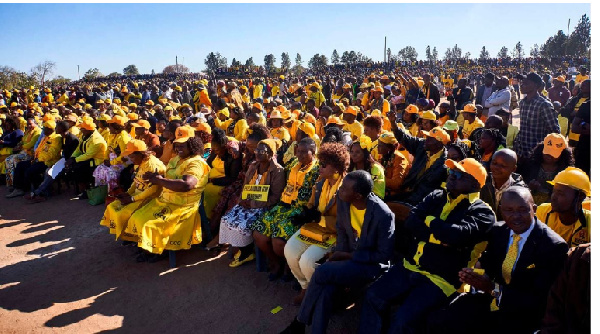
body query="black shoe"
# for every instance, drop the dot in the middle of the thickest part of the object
(157, 257)
(142, 257)
(296, 327)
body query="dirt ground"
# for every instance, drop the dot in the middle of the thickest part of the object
(60, 271)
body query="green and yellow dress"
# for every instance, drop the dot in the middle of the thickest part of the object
(116, 214)
(172, 221)
(277, 222)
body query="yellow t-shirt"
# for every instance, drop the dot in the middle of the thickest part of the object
(356, 129)
(574, 234)
(357, 218)
(217, 169)
(468, 128)
(281, 133)
(580, 78)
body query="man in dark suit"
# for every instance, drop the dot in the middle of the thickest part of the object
(522, 259)
(462, 94)
(447, 230)
(430, 90)
(365, 245)
(484, 91)
(428, 170)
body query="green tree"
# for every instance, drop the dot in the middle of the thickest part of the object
(555, 46)
(389, 54)
(579, 41)
(408, 53)
(131, 70)
(484, 54)
(286, 63)
(503, 53)
(317, 62)
(11, 78)
(269, 63)
(235, 63)
(92, 73)
(114, 75)
(535, 51)
(59, 80)
(214, 60)
(250, 62)
(518, 51)
(335, 57)
(428, 53)
(434, 54)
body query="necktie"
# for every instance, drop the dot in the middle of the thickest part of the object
(511, 258)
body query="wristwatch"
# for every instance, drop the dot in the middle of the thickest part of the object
(496, 292)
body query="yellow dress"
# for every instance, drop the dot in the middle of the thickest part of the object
(116, 214)
(212, 193)
(172, 221)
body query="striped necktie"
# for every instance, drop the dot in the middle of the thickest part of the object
(511, 258)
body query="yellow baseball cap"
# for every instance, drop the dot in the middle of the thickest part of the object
(141, 123)
(471, 167)
(388, 138)
(183, 133)
(429, 115)
(439, 134)
(412, 109)
(49, 124)
(554, 145)
(135, 145)
(470, 108)
(120, 120)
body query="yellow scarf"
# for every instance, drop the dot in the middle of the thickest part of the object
(328, 192)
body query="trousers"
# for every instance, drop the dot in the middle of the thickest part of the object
(302, 257)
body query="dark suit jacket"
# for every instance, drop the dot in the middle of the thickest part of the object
(434, 93)
(479, 96)
(376, 242)
(415, 187)
(539, 263)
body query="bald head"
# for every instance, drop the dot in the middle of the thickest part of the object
(507, 154)
(518, 192)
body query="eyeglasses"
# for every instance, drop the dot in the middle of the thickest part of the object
(322, 165)
(457, 174)
(260, 151)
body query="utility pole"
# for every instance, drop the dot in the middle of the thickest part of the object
(78, 77)
(384, 48)
(176, 66)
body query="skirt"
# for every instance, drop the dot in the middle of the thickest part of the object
(11, 162)
(277, 222)
(164, 226)
(234, 226)
(212, 194)
(116, 216)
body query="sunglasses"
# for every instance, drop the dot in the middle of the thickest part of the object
(457, 174)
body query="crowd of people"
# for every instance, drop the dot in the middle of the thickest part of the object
(408, 190)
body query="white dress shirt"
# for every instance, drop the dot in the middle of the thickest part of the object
(499, 99)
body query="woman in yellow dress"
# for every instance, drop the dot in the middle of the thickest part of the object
(141, 191)
(225, 163)
(25, 149)
(171, 221)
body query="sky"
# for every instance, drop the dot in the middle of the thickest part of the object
(111, 36)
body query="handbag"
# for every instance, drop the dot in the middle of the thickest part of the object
(97, 195)
(317, 232)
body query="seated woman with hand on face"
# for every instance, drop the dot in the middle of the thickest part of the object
(171, 221)
(141, 191)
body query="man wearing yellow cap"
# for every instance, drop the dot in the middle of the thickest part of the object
(89, 154)
(471, 123)
(446, 231)
(29, 174)
(428, 170)
(316, 94)
(558, 91)
(379, 102)
(355, 128)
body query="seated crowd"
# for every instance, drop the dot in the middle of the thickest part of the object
(422, 210)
